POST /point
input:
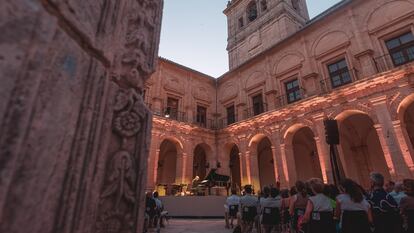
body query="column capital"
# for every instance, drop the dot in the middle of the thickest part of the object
(379, 100)
(319, 116)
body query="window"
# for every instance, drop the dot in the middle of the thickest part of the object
(201, 118)
(401, 49)
(293, 91)
(257, 104)
(231, 115)
(339, 73)
(172, 108)
(252, 11)
(263, 4)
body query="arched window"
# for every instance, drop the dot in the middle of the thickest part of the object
(252, 11)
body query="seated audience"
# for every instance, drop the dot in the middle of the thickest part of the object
(232, 203)
(407, 206)
(384, 207)
(270, 211)
(297, 206)
(352, 209)
(319, 211)
(248, 209)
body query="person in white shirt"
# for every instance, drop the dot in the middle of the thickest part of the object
(270, 209)
(353, 209)
(232, 207)
(398, 192)
(319, 211)
(248, 209)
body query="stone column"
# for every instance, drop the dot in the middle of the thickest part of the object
(323, 150)
(385, 149)
(388, 139)
(275, 163)
(279, 160)
(153, 169)
(244, 174)
(75, 131)
(405, 144)
(289, 163)
(254, 170)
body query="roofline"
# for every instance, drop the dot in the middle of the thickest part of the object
(186, 68)
(310, 23)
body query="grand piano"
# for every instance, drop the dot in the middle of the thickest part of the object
(214, 181)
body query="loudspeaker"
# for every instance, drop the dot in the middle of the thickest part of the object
(331, 132)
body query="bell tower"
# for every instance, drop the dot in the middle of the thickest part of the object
(256, 25)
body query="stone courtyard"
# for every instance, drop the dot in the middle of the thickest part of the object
(195, 226)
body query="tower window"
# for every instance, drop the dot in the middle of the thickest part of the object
(401, 49)
(252, 11)
(339, 73)
(263, 4)
(241, 22)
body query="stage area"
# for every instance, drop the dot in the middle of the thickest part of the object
(194, 206)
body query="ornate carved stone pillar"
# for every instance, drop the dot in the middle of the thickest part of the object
(75, 131)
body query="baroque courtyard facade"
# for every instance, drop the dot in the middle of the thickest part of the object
(262, 122)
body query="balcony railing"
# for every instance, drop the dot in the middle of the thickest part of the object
(386, 62)
(284, 100)
(327, 85)
(255, 110)
(226, 121)
(174, 114)
(207, 123)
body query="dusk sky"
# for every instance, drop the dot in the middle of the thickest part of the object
(194, 33)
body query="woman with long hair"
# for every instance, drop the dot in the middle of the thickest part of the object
(297, 206)
(352, 208)
(319, 212)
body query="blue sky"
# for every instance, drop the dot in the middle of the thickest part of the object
(194, 33)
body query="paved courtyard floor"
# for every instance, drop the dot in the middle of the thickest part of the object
(195, 226)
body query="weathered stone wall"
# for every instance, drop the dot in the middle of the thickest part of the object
(73, 126)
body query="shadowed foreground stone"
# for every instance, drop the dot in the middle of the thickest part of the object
(74, 132)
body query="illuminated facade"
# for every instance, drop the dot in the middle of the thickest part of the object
(262, 121)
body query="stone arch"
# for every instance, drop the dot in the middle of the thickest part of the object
(202, 158)
(232, 153)
(287, 61)
(288, 129)
(254, 79)
(360, 149)
(301, 151)
(177, 141)
(261, 161)
(386, 13)
(405, 114)
(361, 108)
(169, 150)
(328, 41)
